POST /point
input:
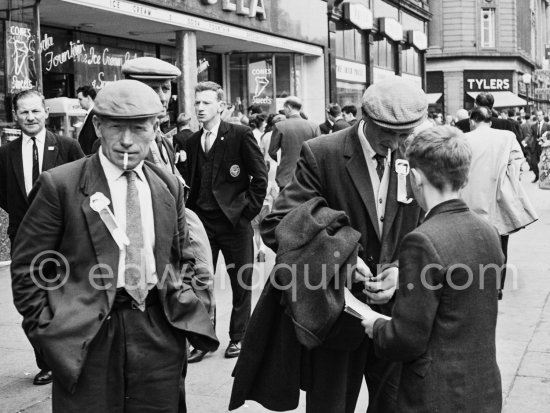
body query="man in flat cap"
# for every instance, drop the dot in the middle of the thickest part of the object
(354, 171)
(102, 269)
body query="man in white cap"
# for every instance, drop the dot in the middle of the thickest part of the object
(103, 283)
(354, 170)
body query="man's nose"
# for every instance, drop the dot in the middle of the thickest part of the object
(126, 138)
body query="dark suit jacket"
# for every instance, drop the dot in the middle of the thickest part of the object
(444, 334)
(87, 135)
(532, 143)
(181, 137)
(340, 124)
(13, 196)
(289, 135)
(238, 196)
(325, 127)
(63, 321)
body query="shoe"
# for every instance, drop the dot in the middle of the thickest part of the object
(500, 294)
(233, 350)
(261, 256)
(43, 377)
(196, 355)
(536, 179)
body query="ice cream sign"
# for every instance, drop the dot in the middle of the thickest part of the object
(260, 83)
(20, 57)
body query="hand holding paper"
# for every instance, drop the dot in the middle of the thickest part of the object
(380, 289)
(362, 311)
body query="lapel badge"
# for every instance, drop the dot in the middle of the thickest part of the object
(235, 171)
(181, 156)
(402, 169)
(222, 138)
(51, 148)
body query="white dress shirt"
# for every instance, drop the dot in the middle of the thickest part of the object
(26, 152)
(213, 136)
(118, 186)
(379, 187)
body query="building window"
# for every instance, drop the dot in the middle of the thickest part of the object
(350, 42)
(411, 61)
(487, 27)
(384, 53)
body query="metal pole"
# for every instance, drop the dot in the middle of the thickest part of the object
(38, 61)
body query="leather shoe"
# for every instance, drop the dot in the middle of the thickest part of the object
(43, 377)
(233, 350)
(536, 179)
(196, 355)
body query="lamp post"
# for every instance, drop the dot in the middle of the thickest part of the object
(526, 77)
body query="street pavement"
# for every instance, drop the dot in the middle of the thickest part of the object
(523, 335)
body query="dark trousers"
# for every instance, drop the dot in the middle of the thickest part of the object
(40, 362)
(534, 159)
(134, 365)
(504, 246)
(236, 245)
(382, 378)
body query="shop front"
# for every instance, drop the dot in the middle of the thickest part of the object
(259, 51)
(497, 82)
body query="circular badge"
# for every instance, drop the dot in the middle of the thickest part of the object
(235, 171)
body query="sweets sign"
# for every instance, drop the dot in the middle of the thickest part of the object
(20, 57)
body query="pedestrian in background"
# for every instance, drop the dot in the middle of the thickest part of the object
(21, 163)
(349, 112)
(87, 136)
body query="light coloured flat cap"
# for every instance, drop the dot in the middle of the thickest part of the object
(127, 99)
(142, 68)
(395, 103)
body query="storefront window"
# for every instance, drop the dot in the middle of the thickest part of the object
(411, 61)
(238, 86)
(209, 67)
(349, 93)
(384, 53)
(260, 80)
(350, 42)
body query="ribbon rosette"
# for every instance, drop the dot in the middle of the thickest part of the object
(402, 169)
(100, 204)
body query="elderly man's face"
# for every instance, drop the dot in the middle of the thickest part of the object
(120, 136)
(30, 114)
(163, 88)
(381, 139)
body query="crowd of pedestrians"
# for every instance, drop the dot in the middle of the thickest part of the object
(115, 238)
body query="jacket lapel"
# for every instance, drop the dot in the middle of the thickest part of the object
(51, 150)
(220, 149)
(359, 173)
(106, 250)
(193, 157)
(164, 219)
(17, 164)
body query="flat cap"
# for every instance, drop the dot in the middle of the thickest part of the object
(149, 68)
(127, 99)
(395, 103)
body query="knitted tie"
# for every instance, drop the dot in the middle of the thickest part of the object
(134, 274)
(35, 166)
(380, 160)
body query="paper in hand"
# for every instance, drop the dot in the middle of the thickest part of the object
(357, 308)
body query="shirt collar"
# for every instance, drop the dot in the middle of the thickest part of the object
(366, 144)
(113, 172)
(40, 137)
(214, 129)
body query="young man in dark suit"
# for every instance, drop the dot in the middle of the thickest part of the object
(228, 178)
(443, 323)
(354, 170)
(539, 128)
(22, 161)
(113, 324)
(87, 136)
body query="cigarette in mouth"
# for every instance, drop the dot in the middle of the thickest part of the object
(125, 160)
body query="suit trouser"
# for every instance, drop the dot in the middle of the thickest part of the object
(134, 365)
(504, 246)
(40, 362)
(236, 245)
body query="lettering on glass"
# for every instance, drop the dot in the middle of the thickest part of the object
(20, 57)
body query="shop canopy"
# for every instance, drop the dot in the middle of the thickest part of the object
(433, 98)
(503, 99)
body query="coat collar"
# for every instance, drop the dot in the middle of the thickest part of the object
(450, 206)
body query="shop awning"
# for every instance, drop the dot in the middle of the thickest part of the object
(503, 99)
(433, 98)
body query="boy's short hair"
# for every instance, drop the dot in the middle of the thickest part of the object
(213, 86)
(350, 109)
(443, 154)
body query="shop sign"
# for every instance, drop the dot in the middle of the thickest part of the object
(540, 90)
(96, 65)
(358, 15)
(351, 71)
(260, 80)
(417, 39)
(487, 81)
(20, 57)
(250, 8)
(391, 28)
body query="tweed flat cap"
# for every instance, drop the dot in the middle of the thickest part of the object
(395, 103)
(149, 68)
(127, 99)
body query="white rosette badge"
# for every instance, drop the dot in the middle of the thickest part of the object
(100, 204)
